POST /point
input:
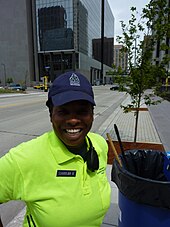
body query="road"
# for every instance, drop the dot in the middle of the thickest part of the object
(26, 116)
(160, 115)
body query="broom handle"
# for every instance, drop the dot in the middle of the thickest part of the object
(114, 150)
(119, 140)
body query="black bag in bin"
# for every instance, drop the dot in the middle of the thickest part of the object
(142, 178)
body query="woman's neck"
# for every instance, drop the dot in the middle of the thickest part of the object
(78, 149)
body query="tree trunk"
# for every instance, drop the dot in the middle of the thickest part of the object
(136, 124)
(137, 118)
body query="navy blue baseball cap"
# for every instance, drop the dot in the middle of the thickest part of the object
(70, 86)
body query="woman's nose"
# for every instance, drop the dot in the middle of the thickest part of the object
(73, 119)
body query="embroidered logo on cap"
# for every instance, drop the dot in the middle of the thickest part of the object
(74, 80)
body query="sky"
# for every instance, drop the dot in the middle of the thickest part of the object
(121, 11)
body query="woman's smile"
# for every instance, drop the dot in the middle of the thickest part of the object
(72, 121)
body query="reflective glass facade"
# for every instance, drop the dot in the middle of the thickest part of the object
(71, 24)
(92, 23)
(66, 30)
(54, 20)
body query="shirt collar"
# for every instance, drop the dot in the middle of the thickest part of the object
(59, 150)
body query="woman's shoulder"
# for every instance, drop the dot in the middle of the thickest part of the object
(97, 139)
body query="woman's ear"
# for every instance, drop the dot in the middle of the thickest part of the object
(50, 116)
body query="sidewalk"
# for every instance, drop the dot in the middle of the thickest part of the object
(154, 126)
(126, 124)
(147, 132)
(149, 128)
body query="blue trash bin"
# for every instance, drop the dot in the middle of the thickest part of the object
(144, 190)
(134, 214)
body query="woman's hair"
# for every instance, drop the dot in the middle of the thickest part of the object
(50, 105)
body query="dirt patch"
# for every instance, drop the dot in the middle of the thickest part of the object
(132, 146)
(140, 109)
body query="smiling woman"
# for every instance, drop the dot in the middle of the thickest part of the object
(72, 121)
(71, 159)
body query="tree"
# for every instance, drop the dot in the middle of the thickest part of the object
(157, 13)
(9, 80)
(139, 39)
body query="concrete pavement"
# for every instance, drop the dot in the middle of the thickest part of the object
(161, 117)
(154, 127)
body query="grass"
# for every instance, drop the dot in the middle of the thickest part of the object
(7, 91)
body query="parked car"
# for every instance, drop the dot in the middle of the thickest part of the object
(114, 87)
(17, 87)
(39, 86)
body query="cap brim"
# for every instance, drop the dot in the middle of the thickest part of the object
(69, 96)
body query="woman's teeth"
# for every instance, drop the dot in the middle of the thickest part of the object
(73, 130)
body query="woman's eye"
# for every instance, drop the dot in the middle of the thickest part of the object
(83, 112)
(80, 112)
(61, 112)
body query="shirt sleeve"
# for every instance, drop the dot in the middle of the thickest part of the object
(10, 179)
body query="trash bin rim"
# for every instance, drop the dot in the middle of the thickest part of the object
(124, 171)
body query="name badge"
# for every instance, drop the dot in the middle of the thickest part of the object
(66, 173)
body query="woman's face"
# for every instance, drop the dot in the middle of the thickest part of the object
(72, 121)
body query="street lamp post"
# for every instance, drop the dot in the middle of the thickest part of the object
(4, 72)
(102, 37)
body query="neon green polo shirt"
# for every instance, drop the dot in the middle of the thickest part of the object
(55, 184)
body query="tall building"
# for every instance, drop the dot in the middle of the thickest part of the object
(17, 57)
(107, 52)
(47, 37)
(159, 53)
(120, 59)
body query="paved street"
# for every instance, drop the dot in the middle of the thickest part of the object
(154, 127)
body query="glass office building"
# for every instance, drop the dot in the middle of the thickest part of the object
(65, 30)
(42, 37)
